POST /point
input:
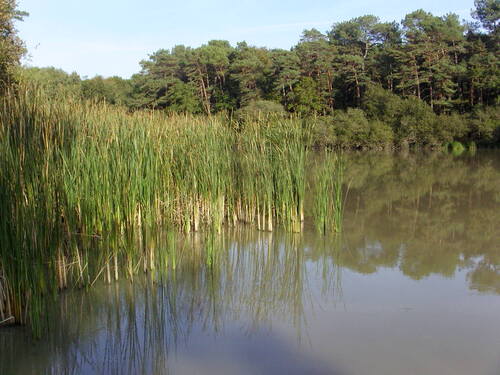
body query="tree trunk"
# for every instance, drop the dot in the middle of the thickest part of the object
(471, 94)
(417, 78)
(431, 93)
(358, 89)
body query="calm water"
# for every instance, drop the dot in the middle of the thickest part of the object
(411, 287)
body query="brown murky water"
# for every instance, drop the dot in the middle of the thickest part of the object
(412, 286)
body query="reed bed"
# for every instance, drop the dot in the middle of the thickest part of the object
(83, 185)
(328, 194)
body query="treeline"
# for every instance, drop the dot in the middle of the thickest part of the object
(403, 75)
(449, 64)
(372, 83)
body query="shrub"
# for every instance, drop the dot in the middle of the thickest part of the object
(351, 129)
(451, 127)
(456, 148)
(411, 120)
(416, 123)
(484, 126)
(381, 104)
(305, 99)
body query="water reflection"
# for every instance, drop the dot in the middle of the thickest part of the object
(432, 214)
(259, 298)
(134, 327)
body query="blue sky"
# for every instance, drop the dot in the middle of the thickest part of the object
(110, 37)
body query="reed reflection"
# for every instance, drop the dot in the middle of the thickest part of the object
(422, 216)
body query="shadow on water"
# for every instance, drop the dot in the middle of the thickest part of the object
(264, 354)
(219, 306)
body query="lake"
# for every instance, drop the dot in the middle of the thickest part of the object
(410, 286)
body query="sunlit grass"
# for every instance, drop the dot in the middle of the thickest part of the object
(82, 184)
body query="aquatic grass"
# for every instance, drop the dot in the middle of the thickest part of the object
(456, 148)
(83, 186)
(328, 181)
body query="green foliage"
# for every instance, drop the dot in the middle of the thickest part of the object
(415, 123)
(415, 80)
(249, 69)
(286, 73)
(260, 109)
(114, 90)
(11, 46)
(488, 13)
(54, 81)
(305, 99)
(452, 127)
(352, 129)
(316, 56)
(485, 126)
(430, 60)
(328, 181)
(456, 148)
(182, 98)
(381, 104)
(411, 120)
(83, 182)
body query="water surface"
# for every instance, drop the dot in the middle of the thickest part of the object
(412, 286)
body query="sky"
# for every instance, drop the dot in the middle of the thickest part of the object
(110, 37)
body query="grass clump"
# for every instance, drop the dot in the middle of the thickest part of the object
(328, 197)
(83, 184)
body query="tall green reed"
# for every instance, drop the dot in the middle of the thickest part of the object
(84, 185)
(328, 180)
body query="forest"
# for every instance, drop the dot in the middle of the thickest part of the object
(426, 80)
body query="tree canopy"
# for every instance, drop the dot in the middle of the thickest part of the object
(11, 46)
(394, 77)
(449, 64)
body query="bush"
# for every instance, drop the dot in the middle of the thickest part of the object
(451, 127)
(416, 123)
(456, 148)
(381, 104)
(351, 129)
(412, 121)
(484, 126)
(305, 99)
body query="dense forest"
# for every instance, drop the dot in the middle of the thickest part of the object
(427, 80)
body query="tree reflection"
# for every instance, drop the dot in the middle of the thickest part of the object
(423, 215)
(427, 215)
